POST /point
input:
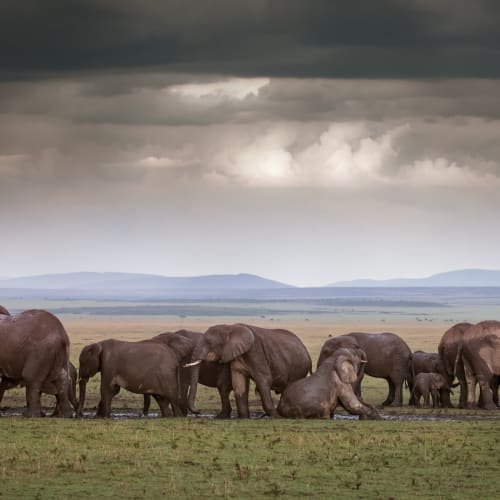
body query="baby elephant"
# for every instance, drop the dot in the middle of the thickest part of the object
(318, 395)
(429, 384)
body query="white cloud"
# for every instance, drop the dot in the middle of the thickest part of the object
(442, 172)
(232, 88)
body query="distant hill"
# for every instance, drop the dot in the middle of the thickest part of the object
(459, 278)
(129, 281)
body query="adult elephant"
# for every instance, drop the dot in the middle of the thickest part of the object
(48, 388)
(210, 374)
(388, 357)
(35, 352)
(318, 395)
(140, 367)
(481, 358)
(449, 351)
(423, 362)
(273, 358)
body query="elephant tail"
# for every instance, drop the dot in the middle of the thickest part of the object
(458, 357)
(410, 374)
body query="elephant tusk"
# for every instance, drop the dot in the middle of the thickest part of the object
(363, 361)
(194, 363)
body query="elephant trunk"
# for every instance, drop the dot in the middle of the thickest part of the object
(82, 384)
(193, 385)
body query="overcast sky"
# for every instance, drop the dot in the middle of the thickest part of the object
(306, 141)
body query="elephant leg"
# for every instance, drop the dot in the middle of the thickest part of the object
(351, 403)
(108, 392)
(164, 405)
(224, 389)
(471, 380)
(434, 395)
(33, 407)
(494, 387)
(240, 388)
(264, 388)
(487, 395)
(390, 396)
(146, 405)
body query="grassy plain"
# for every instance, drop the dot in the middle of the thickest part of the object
(206, 458)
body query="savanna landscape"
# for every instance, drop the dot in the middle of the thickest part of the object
(411, 453)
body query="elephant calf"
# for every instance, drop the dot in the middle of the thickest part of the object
(429, 384)
(318, 395)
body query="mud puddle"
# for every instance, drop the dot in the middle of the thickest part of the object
(134, 414)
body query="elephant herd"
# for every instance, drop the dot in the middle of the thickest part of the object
(34, 352)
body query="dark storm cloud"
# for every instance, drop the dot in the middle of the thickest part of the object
(296, 38)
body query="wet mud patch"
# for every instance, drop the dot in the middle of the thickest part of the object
(403, 415)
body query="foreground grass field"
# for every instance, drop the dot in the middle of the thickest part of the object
(206, 458)
(201, 458)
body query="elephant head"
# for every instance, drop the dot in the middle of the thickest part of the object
(347, 363)
(335, 343)
(220, 343)
(90, 364)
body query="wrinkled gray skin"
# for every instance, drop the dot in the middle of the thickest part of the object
(423, 362)
(449, 350)
(318, 395)
(34, 353)
(48, 388)
(429, 384)
(388, 357)
(344, 341)
(140, 367)
(273, 358)
(481, 358)
(209, 374)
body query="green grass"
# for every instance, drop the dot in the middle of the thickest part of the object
(201, 458)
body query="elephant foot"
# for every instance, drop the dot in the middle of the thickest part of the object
(222, 415)
(490, 406)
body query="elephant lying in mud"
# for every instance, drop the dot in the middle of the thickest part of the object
(35, 353)
(210, 374)
(47, 388)
(429, 384)
(388, 357)
(140, 367)
(318, 395)
(273, 358)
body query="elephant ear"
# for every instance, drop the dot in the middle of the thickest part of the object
(239, 341)
(345, 370)
(91, 358)
(182, 346)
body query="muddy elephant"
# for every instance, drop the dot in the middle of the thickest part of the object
(344, 341)
(481, 358)
(140, 367)
(429, 384)
(388, 357)
(423, 362)
(48, 388)
(35, 352)
(210, 374)
(449, 351)
(273, 358)
(318, 395)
